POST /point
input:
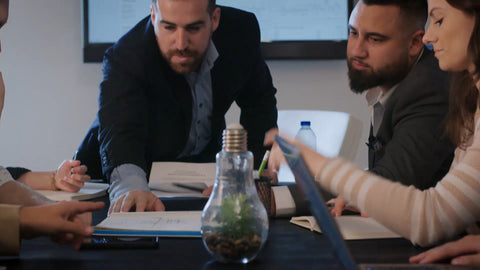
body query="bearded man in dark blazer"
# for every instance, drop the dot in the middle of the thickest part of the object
(166, 88)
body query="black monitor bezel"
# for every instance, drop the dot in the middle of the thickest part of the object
(328, 50)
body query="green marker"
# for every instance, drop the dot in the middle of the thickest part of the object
(263, 164)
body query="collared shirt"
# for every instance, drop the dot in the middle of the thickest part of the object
(376, 99)
(201, 87)
(128, 177)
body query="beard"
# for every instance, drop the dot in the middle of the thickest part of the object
(192, 65)
(388, 76)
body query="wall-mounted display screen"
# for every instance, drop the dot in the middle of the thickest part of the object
(299, 29)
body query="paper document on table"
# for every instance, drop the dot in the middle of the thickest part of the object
(181, 178)
(285, 175)
(351, 227)
(188, 193)
(168, 223)
(89, 191)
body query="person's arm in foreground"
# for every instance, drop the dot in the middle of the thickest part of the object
(465, 251)
(64, 222)
(289, 197)
(70, 176)
(425, 217)
(123, 133)
(60, 221)
(13, 192)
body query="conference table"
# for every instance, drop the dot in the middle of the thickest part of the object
(288, 247)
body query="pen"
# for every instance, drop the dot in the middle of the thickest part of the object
(263, 164)
(190, 186)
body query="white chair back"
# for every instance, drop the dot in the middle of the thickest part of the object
(338, 133)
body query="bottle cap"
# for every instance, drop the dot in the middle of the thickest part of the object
(305, 123)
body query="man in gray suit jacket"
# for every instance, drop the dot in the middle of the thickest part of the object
(406, 92)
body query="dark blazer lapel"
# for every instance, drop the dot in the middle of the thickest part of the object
(403, 88)
(220, 90)
(164, 73)
(183, 95)
(171, 90)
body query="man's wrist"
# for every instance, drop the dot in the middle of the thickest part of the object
(125, 178)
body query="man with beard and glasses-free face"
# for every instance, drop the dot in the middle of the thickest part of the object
(406, 92)
(166, 88)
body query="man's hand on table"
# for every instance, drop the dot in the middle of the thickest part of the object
(137, 200)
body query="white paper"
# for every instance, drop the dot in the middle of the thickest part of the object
(285, 175)
(351, 227)
(153, 221)
(89, 191)
(182, 172)
(181, 178)
(165, 194)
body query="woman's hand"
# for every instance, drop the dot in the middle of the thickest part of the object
(71, 176)
(61, 221)
(465, 251)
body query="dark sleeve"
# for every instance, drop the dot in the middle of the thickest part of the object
(17, 172)
(418, 153)
(88, 153)
(257, 100)
(122, 113)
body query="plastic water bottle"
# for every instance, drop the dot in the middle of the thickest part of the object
(306, 135)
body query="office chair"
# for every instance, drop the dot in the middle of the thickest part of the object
(338, 133)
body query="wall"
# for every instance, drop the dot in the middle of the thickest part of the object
(51, 95)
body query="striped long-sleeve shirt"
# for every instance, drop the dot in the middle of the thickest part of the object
(425, 217)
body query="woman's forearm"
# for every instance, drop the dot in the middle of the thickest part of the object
(14, 192)
(39, 180)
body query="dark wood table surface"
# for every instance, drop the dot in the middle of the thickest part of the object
(288, 247)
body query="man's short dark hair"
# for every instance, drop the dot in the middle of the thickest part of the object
(413, 10)
(210, 8)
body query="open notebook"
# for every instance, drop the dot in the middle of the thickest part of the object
(166, 224)
(181, 179)
(326, 222)
(351, 227)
